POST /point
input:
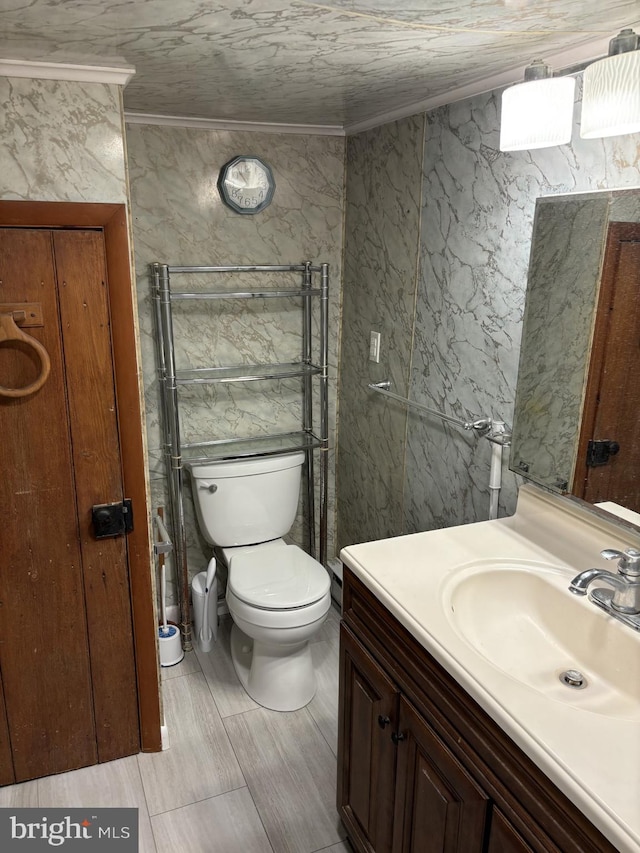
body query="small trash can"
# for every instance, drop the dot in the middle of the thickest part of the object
(204, 597)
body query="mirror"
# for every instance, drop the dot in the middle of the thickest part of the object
(571, 247)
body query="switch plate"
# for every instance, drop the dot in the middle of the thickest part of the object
(374, 347)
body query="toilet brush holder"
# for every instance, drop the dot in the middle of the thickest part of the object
(204, 595)
(170, 643)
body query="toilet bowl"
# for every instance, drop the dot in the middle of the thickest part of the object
(278, 596)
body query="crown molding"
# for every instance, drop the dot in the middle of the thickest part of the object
(119, 75)
(221, 124)
(587, 52)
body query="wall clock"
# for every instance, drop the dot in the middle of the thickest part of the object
(246, 184)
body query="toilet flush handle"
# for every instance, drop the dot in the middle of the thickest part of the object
(208, 487)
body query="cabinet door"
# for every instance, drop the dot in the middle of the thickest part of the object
(366, 754)
(504, 838)
(439, 806)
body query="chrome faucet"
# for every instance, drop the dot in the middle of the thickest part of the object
(623, 601)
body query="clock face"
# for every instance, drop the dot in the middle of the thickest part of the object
(246, 184)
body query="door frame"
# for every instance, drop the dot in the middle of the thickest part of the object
(112, 218)
(617, 233)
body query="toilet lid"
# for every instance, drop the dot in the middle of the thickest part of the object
(277, 578)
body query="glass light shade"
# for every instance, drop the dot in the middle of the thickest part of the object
(611, 96)
(537, 114)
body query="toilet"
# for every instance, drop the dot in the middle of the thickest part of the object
(278, 596)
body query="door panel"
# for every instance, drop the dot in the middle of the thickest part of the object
(43, 636)
(439, 807)
(7, 775)
(81, 273)
(619, 394)
(64, 596)
(612, 399)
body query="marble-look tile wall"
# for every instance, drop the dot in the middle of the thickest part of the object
(61, 141)
(478, 207)
(461, 340)
(382, 229)
(569, 234)
(178, 219)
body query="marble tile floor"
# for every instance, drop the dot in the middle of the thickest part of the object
(236, 778)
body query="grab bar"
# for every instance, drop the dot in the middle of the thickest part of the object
(481, 424)
(494, 431)
(165, 545)
(497, 432)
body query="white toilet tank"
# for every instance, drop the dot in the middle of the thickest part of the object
(247, 501)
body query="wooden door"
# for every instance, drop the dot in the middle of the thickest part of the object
(612, 400)
(66, 642)
(366, 754)
(439, 806)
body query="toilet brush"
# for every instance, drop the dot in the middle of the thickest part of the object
(207, 632)
(169, 640)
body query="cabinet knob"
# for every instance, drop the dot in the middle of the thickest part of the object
(383, 721)
(396, 737)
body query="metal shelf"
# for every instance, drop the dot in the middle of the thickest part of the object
(245, 268)
(244, 373)
(246, 448)
(179, 454)
(245, 294)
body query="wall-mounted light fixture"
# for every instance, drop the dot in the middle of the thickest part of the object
(611, 96)
(539, 112)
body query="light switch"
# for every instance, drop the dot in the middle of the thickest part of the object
(374, 347)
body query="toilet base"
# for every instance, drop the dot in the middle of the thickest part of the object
(281, 678)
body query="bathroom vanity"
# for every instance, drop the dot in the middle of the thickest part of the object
(456, 731)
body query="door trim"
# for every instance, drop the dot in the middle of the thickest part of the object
(617, 233)
(112, 218)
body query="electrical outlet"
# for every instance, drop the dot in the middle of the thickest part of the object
(374, 347)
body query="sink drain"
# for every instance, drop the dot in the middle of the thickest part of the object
(573, 678)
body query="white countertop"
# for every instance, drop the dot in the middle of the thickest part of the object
(593, 758)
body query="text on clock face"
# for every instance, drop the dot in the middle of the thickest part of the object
(238, 195)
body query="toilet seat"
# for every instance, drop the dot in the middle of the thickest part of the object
(282, 622)
(277, 579)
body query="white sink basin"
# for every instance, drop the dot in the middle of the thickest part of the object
(520, 617)
(490, 602)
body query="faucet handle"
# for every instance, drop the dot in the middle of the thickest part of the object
(628, 561)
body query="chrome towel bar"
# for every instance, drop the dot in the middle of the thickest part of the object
(495, 431)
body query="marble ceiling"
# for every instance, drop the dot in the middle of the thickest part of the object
(338, 62)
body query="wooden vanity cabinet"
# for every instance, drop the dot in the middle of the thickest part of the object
(366, 768)
(421, 767)
(438, 805)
